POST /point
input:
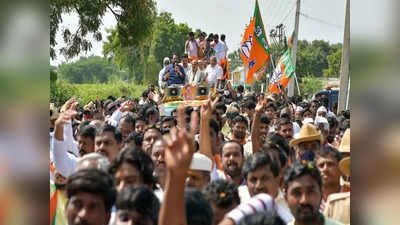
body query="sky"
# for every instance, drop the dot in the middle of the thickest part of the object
(319, 19)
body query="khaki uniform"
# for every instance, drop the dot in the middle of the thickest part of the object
(337, 207)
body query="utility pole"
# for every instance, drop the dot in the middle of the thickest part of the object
(294, 48)
(344, 67)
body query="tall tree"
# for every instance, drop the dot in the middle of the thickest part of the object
(134, 22)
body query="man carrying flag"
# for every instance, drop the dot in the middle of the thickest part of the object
(254, 46)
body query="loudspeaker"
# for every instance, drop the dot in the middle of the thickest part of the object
(201, 91)
(173, 91)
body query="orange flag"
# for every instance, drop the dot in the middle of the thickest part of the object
(254, 47)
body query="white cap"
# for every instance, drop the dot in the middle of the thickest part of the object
(323, 120)
(308, 120)
(166, 59)
(299, 109)
(322, 109)
(201, 162)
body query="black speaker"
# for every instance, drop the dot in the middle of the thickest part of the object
(173, 91)
(201, 91)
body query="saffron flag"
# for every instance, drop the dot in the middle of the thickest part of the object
(254, 47)
(284, 71)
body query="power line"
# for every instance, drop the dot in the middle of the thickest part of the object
(320, 21)
(281, 11)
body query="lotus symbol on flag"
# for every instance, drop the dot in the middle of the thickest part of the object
(258, 31)
(246, 47)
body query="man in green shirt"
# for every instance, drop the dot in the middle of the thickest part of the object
(303, 185)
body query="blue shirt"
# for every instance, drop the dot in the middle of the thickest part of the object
(174, 77)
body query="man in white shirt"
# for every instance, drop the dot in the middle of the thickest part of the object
(161, 83)
(213, 73)
(186, 66)
(219, 48)
(191, 47)
(195, 75)
(261, 173)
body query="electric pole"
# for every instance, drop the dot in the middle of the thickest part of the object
(344, 67)
(294, 48)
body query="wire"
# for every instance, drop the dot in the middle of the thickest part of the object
(320, 21)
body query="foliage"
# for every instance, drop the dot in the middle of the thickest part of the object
(134, 22)
(89, 70)
(312, 57)
(309, 85)
(334, 61)
(61, 91)
(235, 60)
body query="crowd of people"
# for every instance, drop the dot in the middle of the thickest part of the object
(239, 158)
(204, 62)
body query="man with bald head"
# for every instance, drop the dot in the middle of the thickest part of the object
(213, 73)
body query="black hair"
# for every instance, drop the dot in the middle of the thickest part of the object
(88, 131)
(198, 210)
(273, 105)
(128, 119)
(169, 118)
(270, 147)
(324, 101)
(223, 37)
(262, 218)
(223, 193)
(140, 199)
(282, 121)
(109, 128)
(258, 160)
(93, 181)
(298, 169)
(214, 125)
(216, 36)
(145, 94)
(240, 88)
(250, 104)
(333, 122)
(265, 119)
(150, 111)
(325, 151)
(240, 119)
(136, 137)
(232, 141)
(221, 105)
(278, 140)
(188, 110)
(184, 56)
(232, 115)
(84, 123)
(137, 158)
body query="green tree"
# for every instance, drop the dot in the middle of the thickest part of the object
(134, 22)
(235, 60)
(309, 85)
(88, 70)
(334, 61)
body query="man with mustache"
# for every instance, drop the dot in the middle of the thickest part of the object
(158, 158)
(91, 194)
(239, 129)
(303, 185)
(232, 161)
(261, 173)
(327, 161)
